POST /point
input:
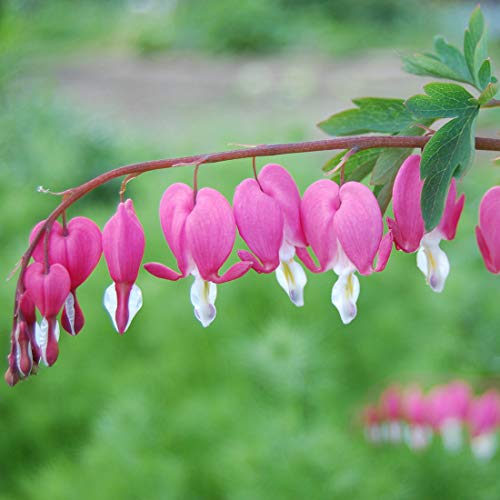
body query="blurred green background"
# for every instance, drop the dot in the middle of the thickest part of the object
(263, 403)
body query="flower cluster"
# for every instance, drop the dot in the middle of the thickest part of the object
(332, 227)
(448, 411)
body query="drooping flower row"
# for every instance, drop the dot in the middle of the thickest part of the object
(450, 412)
(341, 225)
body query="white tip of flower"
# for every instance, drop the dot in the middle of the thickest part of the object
(452, 434)
(432, 261)
(345, 293)
(110, 302)
(292, 279)
(203, 295)
(69, 306)
(42, 337)
(419, 437)
(484, 446)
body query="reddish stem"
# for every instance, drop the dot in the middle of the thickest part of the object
(70, 196)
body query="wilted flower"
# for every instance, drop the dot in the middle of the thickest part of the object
(344, 228)
(408, 225)
(77, 247)
(488, 230)
(201, 233)
(123, 246)
(267, 213)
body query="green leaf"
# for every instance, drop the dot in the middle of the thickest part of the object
(449, 153)
(384, 194)
(488, 93)
(443, 100)
(388, 165)
(453, 58)
(476, 46)
(484, 74)
(430, 65)
(373, 114)
(357, 166)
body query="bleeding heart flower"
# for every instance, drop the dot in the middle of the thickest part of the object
(78, 248)
(123, 246)
(49, 291)
(484, 418)
(408, 227)
(201, 235)
(344, 229)
(416, 411)
(391, 411)
(267, 213)
(372, 423)
(448, 410)
(488, 230)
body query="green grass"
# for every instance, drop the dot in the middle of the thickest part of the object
(261, 405)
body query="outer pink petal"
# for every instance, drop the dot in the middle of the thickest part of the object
(319, 205)
(280, 185)
(176, 204)
(452, 212)
(162, 271)
(488, 231)
(358, 224)
(406, 205)
(255, 263)
(79, 251)
(485, 252)
(384, 252)
(260, 223)
(123, 244)
(210, 232)
(235, 271)
(38, 252)
(303, 255)
(48, 291)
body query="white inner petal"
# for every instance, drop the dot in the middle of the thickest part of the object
(69, 306)
(292, 279)
(203, 295)
(111, 303)
(42, 337)
(451, 434)
(432, 261)
(345, 291)
(484, 446)
(419, 437)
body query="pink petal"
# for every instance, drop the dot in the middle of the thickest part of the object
(210, 232)
(358, 224)
(255, 264)
(79, 318)
(319, 205)
(123, 244)
(260, 222)
(384, 252)
(38, 252)
(176, 204)
(162, 271)
(488, 231)
(280, 185)
(48, 291)
(235, 271)
(452, 212)
(408, 228)
(485, 252)
(303, 255)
